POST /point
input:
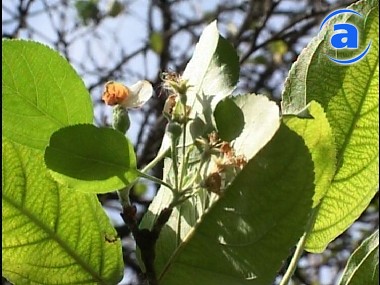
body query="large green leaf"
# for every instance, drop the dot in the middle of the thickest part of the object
(261, 118)
(41, 93)
(249, 231)
(349, 96)
(363, 265)
(91, 159)
(52, 235)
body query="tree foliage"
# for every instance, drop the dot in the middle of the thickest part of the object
(237, 192)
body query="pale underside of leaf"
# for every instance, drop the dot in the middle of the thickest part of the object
(261, 118)
(211, 75)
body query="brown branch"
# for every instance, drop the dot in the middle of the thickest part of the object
(146, 239)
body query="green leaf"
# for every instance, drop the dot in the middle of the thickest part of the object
(91, 159)
(229, 119)
(156, 42)
(318, 137)
(349, 96)
(278, 47)
(353, 113)
(51, 235)
(363, 265)
(41, 93)
(115, 8)
(247, 234)
(87, 10)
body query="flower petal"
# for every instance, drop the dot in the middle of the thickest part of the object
(139, 94)
(114, 93)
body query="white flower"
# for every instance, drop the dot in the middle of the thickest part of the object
(129, 97)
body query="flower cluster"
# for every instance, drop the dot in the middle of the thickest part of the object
(224, 164)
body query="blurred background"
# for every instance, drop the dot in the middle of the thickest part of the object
(130, 40)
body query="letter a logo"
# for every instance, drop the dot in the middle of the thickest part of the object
(347, 39)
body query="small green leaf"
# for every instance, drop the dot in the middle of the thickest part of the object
(91, 159)
(247, 234)
(41, 93)
(51, 235)
(156, 42)
(87, 10)
(115, 8)
(363, 265)
(260, 59)
(229, 119)
(279, 47)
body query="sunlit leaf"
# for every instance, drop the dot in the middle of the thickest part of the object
(41, 93)
(350, 99)
(51, 235)
(363, 265)
(318, 137)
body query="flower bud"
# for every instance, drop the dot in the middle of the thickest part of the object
(174, 129)
(169, 105)
(120, 119)
(213, 183)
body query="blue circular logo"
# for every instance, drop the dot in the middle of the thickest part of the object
(347, 38)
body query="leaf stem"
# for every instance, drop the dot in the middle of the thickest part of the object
(174, 154)
(299, 249)
(293, 263)
(154, 162)
(183, 168)
(124, 192)
(156, 180)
